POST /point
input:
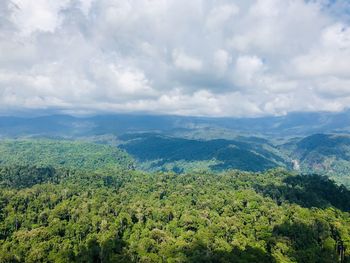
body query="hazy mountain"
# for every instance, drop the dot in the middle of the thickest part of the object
(186, 143)
(290, 125)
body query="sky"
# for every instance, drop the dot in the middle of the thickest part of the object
(237, 58)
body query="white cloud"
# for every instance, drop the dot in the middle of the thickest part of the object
(186, 62)
(118, 82)
(333, 87)
(221, 57)
(221, 60)
(43, 15)
(247, 69)
(329, 56)
(219, 15)
(85, 6)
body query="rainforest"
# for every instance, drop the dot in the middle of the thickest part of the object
(91, 201)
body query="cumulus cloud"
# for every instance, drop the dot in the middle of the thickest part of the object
(214, 58)
(221, 60)
(219, 15)
(330, 54)
(186, 62)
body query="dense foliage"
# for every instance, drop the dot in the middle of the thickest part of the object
(323, 154)
(65, 154)
(69, 201)
(161, 151)
(129, 216)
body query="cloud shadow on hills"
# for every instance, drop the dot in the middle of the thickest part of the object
(308, 191)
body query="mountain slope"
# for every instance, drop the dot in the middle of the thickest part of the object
(327, 154)
(220, 154)
(65, 154)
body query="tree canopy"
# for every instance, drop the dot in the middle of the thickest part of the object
(55, 215)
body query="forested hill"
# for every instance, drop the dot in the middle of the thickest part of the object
(327, 154)
(69, 201)
(63, 154)
(50, 215)
(158, 152)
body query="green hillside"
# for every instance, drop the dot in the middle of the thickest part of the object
(68, 201)
(158, 152)
(64, 154)
(326, 154)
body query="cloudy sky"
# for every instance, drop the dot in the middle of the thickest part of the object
(198, 57)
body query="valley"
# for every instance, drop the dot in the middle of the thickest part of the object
(152, 194)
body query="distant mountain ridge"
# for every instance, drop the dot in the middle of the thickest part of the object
(293, 124)
(313, 142)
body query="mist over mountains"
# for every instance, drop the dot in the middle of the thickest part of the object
(293, 124)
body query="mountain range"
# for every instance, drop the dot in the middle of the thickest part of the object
(293, 124)
(305, 142)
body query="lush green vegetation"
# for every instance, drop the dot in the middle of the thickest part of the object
(65, 201)
(161, 152)
(62, 216)
(64, 154)
(323, 154)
